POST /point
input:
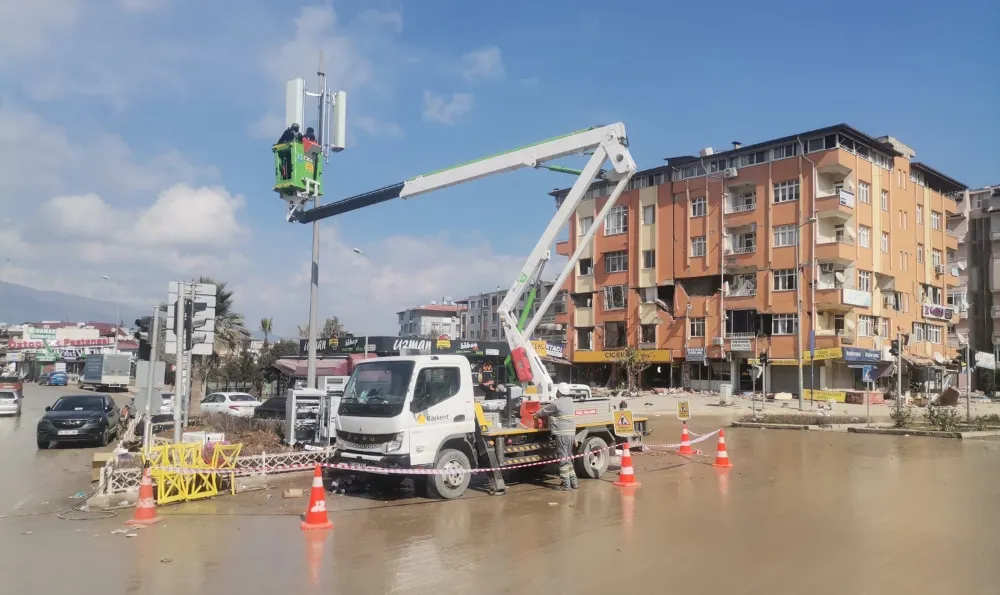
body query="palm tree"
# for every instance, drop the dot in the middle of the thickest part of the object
(265, 327)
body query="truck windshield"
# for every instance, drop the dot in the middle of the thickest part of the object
(377, 389)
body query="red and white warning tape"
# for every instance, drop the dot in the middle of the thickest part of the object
(363, 468)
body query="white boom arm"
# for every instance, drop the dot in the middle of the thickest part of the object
(605, 143)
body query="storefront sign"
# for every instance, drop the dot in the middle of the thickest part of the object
(41, 333)
(546, 349)
(694, 354)
(56, 343)
(857, 298)
(985, 360)
(824, 354)
(393, 345)
(938, 312)
(601, 357)
(857, 354)
(741, 345)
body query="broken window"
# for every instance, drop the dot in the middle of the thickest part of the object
(584, 338)
(701, 286)
(647, 334)
(741, 323)
(615, 297)
(614, 335)
(582, 300)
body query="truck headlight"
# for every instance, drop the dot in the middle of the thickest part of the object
(395, 444)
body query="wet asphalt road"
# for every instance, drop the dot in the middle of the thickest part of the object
(801, 512)
(36, 480)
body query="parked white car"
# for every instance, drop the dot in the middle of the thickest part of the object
(238, 404)
(10, 402)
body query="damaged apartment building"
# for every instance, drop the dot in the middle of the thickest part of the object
(708, 261)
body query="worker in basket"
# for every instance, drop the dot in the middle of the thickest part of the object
(561, 414)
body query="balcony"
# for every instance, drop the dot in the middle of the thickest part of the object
(562, 248)
(838, 297)
(953, 233)
(840, 204)
(742, 292)
(740, 250)
(741, 206)
(827, 338)
(838, 249)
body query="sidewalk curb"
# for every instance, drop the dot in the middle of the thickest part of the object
(926, 433)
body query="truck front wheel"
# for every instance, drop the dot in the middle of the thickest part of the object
(595, 459)
(453, 475)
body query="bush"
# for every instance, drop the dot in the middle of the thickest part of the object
(801, 420)
(943, 418)
(902, 417)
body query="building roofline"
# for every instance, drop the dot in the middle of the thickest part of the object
(957, 186)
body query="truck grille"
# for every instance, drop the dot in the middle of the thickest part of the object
(68, 423)
(362, 442)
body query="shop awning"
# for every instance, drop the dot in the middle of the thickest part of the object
(296, 368)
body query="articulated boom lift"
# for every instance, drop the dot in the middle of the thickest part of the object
(603, 143)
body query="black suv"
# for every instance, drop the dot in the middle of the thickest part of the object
(76, 418)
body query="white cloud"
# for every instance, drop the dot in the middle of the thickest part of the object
(378, 128)
(26, 27)
(404, 271)
(269, 126)
(381, 19)
(483, 63)
(438, 109)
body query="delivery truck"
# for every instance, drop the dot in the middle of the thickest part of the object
(108, 371)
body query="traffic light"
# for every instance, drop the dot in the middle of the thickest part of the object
(960, 359)
(145, 326)
(894, 348)
(763, 358)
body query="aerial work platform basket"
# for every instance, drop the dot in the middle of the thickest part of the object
(298, 170)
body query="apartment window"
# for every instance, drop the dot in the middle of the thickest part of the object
(699, 206)
(883, 327)
(918, 333)
(885, 242)
(659, 178)
(931, 294)
(920, 254)
(822, 143)
(933, 334)
(902, 219)
(584, 338)
(598, 191)
(698, 246)
(920, 214)
(586, 266)
(614, 297)
(865, 236)
(935, 258)
(615, 262)
(690, 171)
(647, 334)
(648, 259)
(784, 279)
(638, 182)
(493, 333)
(649, 214)
(885, 200)
(865, 192)
(839, 324)
(615, 335)
(784, 324)
(935, 220)
(697, 327)
(494, 318)
(786, 191)
(904, 260)
(867, 325)
(865, 281)
(785, 151)
(617, 221)
(785, 235)
(585, 224)
(647, 295)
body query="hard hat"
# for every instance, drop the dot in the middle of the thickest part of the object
(562, 388)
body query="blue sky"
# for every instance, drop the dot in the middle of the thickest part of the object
(160, 114)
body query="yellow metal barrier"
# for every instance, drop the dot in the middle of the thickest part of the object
(181, 472)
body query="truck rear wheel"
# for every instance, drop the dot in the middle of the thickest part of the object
(454, 476)
(595, 461)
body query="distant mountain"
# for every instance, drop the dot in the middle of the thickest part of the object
(23, 304)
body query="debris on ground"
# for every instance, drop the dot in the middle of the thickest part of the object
(293, 493)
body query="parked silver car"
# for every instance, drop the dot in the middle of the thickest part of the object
(10, 402)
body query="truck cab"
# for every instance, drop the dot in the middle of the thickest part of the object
(420, 412)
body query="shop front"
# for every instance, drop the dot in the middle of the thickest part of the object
(599, 367)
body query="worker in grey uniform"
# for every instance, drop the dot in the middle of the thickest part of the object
(561, 414)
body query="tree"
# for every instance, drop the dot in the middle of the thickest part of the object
(631, 362)
(266, 372)
(331, 328)
(266, 325)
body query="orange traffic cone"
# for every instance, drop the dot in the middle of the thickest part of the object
(721, 456)
(316, 513)
(685, 442)
(145, 507)
(626, 475)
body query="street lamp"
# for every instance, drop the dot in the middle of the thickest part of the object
(798, 315)
(368, 259)
(118, 306)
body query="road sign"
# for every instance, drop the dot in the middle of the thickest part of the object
(199, 319)
(866, 374)
(683, 410)
(623, 422)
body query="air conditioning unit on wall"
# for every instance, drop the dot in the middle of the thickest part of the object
(730, 172)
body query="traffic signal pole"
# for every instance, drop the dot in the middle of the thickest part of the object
(968, 382)
(899, 372)
(154, 333)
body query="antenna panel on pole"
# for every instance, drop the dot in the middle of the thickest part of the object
(338, 140)
(295, 90)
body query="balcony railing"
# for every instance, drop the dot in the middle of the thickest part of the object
(953, 234)
(837, 285)
(748, 292)
(744, 249)
(741, 207)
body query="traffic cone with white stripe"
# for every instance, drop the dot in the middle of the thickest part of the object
(316, 517)
(721, 456)
(626, 475)
(145, 506)
(685, 442)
